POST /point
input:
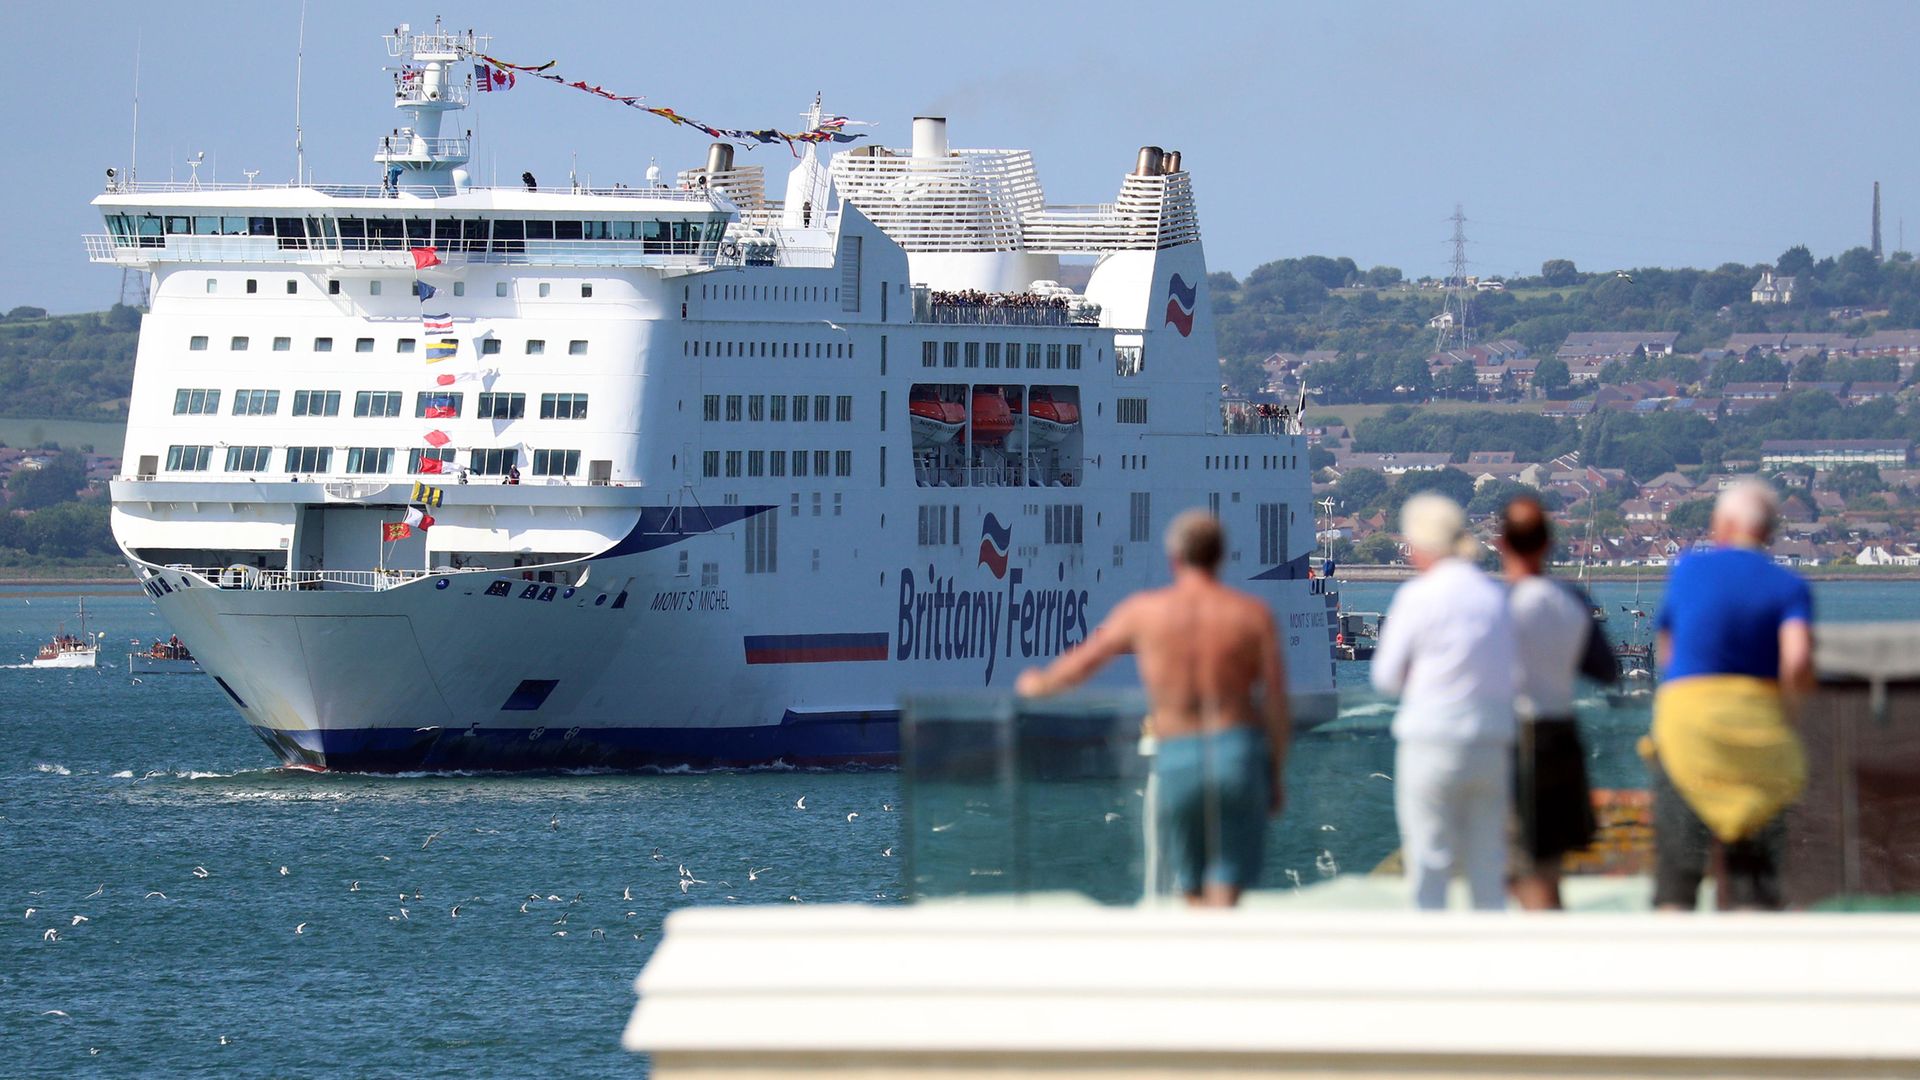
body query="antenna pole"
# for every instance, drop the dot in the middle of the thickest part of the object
(299, 73)
(133, 164)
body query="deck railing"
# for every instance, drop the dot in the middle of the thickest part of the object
(140, 250)
(247, 577)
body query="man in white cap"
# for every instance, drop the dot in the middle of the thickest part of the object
(1446, 649)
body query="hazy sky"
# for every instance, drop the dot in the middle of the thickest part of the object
(1618, 134)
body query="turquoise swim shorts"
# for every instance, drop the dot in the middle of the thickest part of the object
(1211, 814)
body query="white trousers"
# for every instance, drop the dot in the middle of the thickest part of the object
(1452, 802)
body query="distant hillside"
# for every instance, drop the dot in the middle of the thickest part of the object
(67, 367)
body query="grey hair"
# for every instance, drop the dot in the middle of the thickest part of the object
(1433, 524)
(1195, 538)
(1749, 505)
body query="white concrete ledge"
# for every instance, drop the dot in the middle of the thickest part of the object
(954, 989)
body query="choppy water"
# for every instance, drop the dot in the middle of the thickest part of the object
(149, 812)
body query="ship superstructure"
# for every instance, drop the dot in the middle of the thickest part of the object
(707, 477)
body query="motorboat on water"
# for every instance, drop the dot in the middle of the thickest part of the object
(66, 650)
(935, 422)
(169, 657)
(1358, 634)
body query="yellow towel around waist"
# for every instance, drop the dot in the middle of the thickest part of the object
(1725, 742)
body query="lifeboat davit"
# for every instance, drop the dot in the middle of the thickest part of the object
(992, 418)
(1048, 422)
(934, 422)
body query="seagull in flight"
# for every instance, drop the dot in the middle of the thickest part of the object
(455, 913)
(355, 887)
(56, 1012)
(97, 892)
(626, 893)
(853, 815)
(431, 837)
(800, 803)
(200, 871)
(553, 823)
(1623, 276)
(301, 929)
(1378, 776)
(657, 856)
(78, 919)
(153, 894)
(754, 875)
(30, 912)
(283, 871)
(887, 854)
(50, 935)
(384, 858)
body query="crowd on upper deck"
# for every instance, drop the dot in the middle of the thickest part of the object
(974, 305)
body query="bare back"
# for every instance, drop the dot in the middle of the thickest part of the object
(1201, 648)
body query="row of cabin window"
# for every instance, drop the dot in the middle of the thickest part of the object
(799, 293)
(774, 463)
(1244, 461)
(774, 407)
(429, 404)
(394, 234)
(772, 350)
(489, 346)
(970, 353)
(368, 460)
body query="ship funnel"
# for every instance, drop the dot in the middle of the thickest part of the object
(1171, 163)
(930, 136)
(1148, 163)
(719, 158)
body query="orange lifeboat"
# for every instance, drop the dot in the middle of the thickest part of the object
(992, 418)
(934, 422)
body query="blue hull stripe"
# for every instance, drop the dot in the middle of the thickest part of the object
(844, 738)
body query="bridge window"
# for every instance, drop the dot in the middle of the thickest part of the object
(369, 460)
(188, 458)
(256, 402)
(556, 462)
(376, 403)
(309, 459)
(493, 462)
(195, 402)
(316, 403)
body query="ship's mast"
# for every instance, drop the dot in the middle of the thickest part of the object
(432, 80)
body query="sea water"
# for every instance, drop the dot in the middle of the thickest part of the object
(173, 904)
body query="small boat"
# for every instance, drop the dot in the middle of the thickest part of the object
(169, 657)
(66, 650)
(1047, 422)
(1358, 634)
(992, 419)
(934, 422)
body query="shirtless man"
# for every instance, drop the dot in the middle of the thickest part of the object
(1201, 648)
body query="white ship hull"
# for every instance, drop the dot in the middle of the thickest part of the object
(76, 659)
(637, 666)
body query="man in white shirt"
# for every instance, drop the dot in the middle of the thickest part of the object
(1556, 640)
(1446, 649)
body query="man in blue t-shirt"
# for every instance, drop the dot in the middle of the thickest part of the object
(1736, 641)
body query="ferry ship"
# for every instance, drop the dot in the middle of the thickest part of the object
(441, 475)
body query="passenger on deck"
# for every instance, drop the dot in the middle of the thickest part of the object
(1556, 639)
(1735, 647)
(1201, 648)
(1446, 650)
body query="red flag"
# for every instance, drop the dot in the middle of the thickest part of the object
(426, 522)
(437, 438)
(438, 412)
(395, 530)
(424, 257)
(430, 464)
(447, 380)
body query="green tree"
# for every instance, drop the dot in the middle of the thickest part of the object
(1359, 489)
(54, 482)
(1856, 481)
(1560, 272)
(1377, 550)
(1692, 517)
(1382, 277)
(1794, 261)
(1452, 483)
(1551, 376)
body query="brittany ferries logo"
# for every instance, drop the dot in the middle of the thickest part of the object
(1180, 301)
(941, 620)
